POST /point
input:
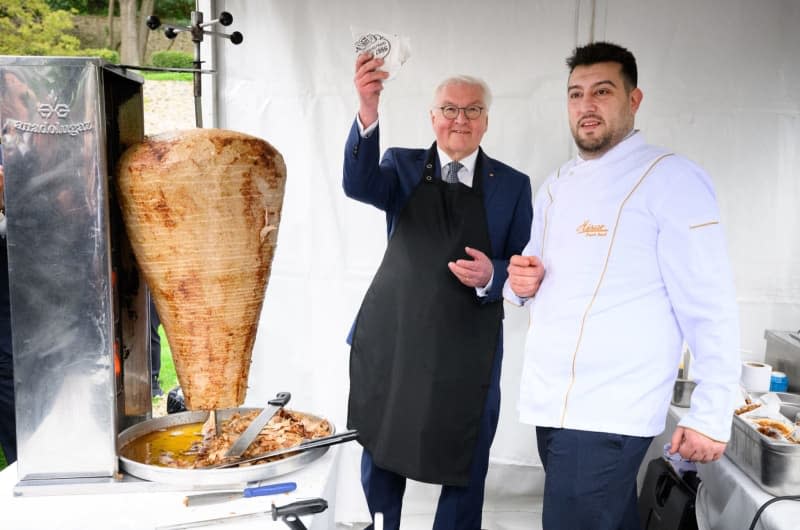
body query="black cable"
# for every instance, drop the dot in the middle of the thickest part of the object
(764, 507)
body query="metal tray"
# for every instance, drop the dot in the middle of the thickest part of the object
(775, 466)
(209, 477)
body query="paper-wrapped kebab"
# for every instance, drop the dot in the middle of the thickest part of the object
(201, 209)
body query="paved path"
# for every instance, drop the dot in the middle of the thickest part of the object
(168, 106)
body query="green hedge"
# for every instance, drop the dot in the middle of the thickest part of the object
(170, 59)
(104, 53)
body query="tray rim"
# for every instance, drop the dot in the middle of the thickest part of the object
(209, 477)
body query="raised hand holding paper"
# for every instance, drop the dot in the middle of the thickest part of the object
(393, 49)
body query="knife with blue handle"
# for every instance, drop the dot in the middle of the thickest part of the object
(202, 499)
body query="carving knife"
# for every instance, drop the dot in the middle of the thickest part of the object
(202, 499)
(250, 434)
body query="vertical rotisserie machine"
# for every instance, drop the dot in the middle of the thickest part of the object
(79, 309)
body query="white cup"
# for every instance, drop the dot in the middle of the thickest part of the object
(756, 376)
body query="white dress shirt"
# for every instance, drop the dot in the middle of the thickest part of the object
(467, 171)
(635, 263)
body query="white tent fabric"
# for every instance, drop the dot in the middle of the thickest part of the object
(720, 82)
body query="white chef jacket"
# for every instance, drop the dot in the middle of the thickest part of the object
(635, 263)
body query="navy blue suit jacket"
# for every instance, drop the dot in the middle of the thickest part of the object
(388, 185)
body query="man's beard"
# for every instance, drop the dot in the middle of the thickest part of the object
(597, 144)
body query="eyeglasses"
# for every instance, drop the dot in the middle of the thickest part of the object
(472, 112)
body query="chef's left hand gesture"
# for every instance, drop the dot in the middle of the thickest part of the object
(475, 272)
(695, 446)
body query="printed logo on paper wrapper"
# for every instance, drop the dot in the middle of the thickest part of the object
(375, 44)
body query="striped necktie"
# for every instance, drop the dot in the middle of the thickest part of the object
(451, 173)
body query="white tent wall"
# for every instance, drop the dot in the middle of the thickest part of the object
(720, 80)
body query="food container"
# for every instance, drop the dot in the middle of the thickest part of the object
(774, 465)
(209, 477)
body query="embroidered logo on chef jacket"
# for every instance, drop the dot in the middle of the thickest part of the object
(589, 230)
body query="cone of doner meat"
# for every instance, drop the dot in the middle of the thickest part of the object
(202, 208)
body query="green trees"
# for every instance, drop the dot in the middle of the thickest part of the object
(45, 27)
(171, 59)
(30, 27)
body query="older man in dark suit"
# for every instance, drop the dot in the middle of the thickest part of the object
(427, 342)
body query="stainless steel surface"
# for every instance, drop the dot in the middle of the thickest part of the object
(772, 464)
(207, 477)
(783, 354)
(122, 483)
(682, 392)
(790, 404)
(214, 497)
(683, 369)
(249, 435)
(65, 121)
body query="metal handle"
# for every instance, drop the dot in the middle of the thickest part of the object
(304, 507)
(281, 399)
(270, 489)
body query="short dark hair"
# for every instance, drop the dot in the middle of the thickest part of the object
(605, 52)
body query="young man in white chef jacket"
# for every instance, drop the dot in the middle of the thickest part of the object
(627, 259)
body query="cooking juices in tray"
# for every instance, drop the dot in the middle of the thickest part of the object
(185, 446)
(167, 447)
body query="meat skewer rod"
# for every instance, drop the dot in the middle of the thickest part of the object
(211, 426)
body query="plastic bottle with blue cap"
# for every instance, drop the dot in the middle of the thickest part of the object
(778, 382)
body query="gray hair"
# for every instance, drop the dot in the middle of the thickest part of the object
(466, 80)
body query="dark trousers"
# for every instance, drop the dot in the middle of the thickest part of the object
(459, 508)
(590, 479)
(8, 425)
(155, 342)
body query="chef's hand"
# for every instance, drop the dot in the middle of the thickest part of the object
(475, 272)
(369, 83)
(525, 274)
(695, 446)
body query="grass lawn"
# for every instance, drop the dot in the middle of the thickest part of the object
(166, 377)
(166, 76)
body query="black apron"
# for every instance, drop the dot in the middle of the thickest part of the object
(423, 345)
